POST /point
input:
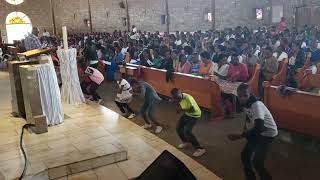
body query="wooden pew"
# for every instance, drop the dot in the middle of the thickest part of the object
(310, 81)
(306, 80)
(130, 70)
(300, 73)
(280, 77)
(297, 112)
(207, 93)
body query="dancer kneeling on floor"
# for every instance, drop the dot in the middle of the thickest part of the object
(124, 96)
(90, 87)
(151, 99)
(188, 120)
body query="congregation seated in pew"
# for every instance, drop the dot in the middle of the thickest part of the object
(203, 53)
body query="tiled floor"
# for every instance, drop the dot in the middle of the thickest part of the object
(91, 129)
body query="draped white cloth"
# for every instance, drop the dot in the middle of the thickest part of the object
(71, 91)
(50, 94)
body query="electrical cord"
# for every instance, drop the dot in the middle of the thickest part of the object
(26, 126)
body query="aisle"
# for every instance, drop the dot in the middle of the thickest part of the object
(90, 130)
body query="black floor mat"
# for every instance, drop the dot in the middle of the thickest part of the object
(167, 167)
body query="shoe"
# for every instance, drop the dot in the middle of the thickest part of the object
(158, 129)
(100, 101)
(199, 152)
(183, 145)
(147, 126)
(131, 116)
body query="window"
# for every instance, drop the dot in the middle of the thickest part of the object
(18, 26)
(259, 13)
(208, 17)
(15, 2)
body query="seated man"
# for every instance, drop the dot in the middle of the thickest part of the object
(195, 64)
(206, 66)
(157, 60)
(296, 61)
(269, 67)
(251, 60)
(237, 72)
(315, 56)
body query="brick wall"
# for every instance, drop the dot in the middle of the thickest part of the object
(37, 10)
(186, 15)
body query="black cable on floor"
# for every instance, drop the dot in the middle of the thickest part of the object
(26, 126)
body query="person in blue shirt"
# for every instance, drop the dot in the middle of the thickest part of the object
(195, 64)
(119, 56)
(315, 52)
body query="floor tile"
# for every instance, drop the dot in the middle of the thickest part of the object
(87, 175)
(112, 172)
(132, 168)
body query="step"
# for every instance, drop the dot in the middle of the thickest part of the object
(76, 162)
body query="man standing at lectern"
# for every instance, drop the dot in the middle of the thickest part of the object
(32, 41)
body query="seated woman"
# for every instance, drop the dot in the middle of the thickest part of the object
(183, 65)
(237, 72)
(206, 66)
(221, 67)
(145, 58)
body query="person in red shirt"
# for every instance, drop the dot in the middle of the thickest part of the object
(281, 26)
(92, 79)
(237, 71)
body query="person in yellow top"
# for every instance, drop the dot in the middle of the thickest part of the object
(206, 66)
(188, 120)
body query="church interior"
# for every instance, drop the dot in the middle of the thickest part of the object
(159, 89)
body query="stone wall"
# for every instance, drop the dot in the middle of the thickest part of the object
(186, 15)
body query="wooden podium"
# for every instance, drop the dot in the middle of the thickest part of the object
(18, 108)
(34, 53)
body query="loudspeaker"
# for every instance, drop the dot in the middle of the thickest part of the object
(167, 167)
(121, 4)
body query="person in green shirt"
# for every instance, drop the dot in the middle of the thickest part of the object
(188, 120)
(157, 60)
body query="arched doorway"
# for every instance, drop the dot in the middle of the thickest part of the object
(18, 26)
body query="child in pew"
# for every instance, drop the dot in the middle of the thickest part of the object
(124, 96)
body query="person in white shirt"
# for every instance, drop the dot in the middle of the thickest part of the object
(221, 67)
(259, 138)
(45, 33)
(124, 96)
(280, 54)
(134, 29)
